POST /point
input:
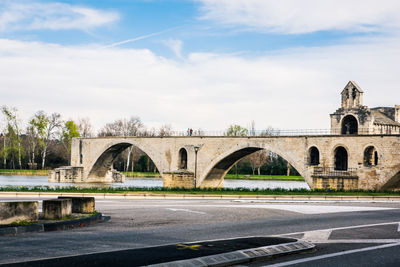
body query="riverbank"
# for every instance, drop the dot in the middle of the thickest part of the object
(24, 172)
(228, 176)
(197, 191)
(157, 175)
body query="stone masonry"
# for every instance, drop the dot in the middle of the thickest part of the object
(346, 159)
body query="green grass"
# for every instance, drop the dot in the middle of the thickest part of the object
(208, 191)
(23, 223)
(228, 176)
(23, 172)
(142, 174)
(264, 177)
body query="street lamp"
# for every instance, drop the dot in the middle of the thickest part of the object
(196, 149)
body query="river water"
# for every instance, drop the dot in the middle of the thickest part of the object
(148, 182)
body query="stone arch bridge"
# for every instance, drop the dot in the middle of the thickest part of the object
(325, 161)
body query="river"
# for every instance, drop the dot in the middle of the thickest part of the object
(148, 182)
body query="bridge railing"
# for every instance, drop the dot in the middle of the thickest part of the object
(274, 132)
(332, 172)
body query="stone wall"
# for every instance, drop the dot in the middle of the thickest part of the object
(181, 179)
(335, 183)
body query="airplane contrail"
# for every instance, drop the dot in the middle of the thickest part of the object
(139, 38)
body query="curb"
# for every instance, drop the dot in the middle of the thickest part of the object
(241, 256)
(53, 226)
(202, 196)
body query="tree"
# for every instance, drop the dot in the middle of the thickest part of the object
(69, 131)
(257, 160)
(85, 127)
(165, 130)
(14, 134)
(131, 127)
(54, 123)
(36, 134)
(236, 130)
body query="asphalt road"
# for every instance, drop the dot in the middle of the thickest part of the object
(333, 227)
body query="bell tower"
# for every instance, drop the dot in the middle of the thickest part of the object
(352, 96)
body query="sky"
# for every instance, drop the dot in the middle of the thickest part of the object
(197, 63)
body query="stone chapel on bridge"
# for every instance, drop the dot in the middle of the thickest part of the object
(355, 118)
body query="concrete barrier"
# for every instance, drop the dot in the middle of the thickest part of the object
(54, 209)
(81, 204)
(19, 211)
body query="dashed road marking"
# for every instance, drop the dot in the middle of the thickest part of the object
(287, 263)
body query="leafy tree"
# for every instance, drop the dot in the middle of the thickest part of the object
(14, 148)
(236, 130)
(69, 131)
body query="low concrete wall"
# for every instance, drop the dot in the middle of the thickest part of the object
(54, 209)
(18, 211)
(82, 204)
(182, 179)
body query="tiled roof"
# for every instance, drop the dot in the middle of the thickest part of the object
(381, 118)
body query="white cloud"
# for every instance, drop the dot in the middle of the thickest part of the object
(33, 15)
(305, 16)
(295, 89)
(175, 45)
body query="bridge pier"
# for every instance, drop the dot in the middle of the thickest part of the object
(179, 179)
(70, 174)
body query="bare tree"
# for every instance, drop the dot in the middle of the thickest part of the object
(257, 160)
(54, 124)
(165, 130)
(131, 127)
(85, 127)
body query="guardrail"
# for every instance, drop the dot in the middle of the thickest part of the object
(332, 172)
(263, 133)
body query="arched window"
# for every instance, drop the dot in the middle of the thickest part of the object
(349, 125)
(313, 155)
(341, 159)
(182, 159)
(370, 156)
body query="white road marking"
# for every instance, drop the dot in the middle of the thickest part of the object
(186, 210)
(317, 236)
(332, 255)
(356, 241)
(342, 228)
(398, 228)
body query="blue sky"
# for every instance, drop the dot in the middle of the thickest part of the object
(279, 63)
(181, 20)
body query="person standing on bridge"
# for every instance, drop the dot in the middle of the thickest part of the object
(191, 131)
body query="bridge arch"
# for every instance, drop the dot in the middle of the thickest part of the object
(214, 174)
(393, 181)
(103, 160)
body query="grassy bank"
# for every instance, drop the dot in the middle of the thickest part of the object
(228, 176)
(265, 177)
(198, 191)
(157, 175)
(142, 174)
(24, 172)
